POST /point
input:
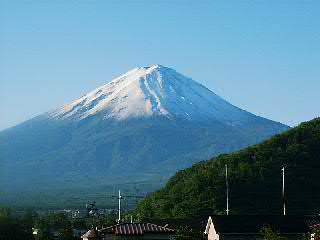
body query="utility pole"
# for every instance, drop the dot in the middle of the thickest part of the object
(227, 188)
(119, 205)
(120, 197)
(283, 192)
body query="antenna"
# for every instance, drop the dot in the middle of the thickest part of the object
(227, 188)
(283, 192)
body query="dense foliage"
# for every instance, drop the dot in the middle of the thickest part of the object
(254, 178)
(14, 229)
(54, 224)
(268, 234)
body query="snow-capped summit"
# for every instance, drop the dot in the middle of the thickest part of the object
(149, 91)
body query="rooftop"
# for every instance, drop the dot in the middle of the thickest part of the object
(126, 229)
(254, 223)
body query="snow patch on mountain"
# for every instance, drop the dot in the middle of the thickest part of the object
(152, 91)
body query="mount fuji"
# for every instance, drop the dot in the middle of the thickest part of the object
(141, 127)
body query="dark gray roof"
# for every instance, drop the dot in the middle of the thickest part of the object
(254, 223)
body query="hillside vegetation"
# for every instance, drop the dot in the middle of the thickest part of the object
(255, 180)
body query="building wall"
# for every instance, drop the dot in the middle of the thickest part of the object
(85, 238)
(212, 234)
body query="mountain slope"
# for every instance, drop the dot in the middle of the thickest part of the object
(254, 177)
(140, 127)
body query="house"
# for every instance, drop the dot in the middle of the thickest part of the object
(315, 231)
(90, 235)
(248, 227)
(132, 231)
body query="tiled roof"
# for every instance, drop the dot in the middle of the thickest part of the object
(135, 229)
(315, 225)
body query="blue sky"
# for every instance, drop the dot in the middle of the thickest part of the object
(262, 56)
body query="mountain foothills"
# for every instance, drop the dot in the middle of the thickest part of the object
(138, 129)
(254, 178)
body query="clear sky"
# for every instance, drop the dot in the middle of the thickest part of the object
(263, 56)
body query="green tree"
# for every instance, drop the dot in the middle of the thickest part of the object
(187, 233)
(14, 229)
(268, 234)
(67, 233)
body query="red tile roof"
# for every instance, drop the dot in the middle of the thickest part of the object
(135, 229)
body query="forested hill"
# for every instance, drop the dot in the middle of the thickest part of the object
(254, 178)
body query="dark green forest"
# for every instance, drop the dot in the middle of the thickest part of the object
(255, 180)
(48, 226)
(15, 229)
